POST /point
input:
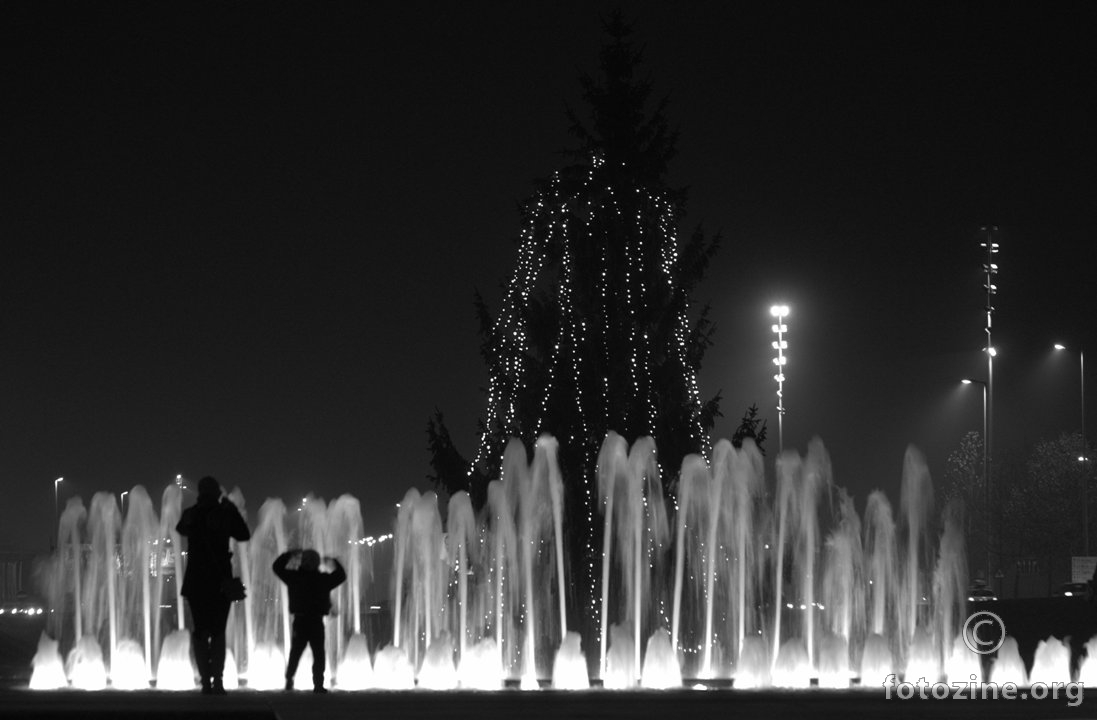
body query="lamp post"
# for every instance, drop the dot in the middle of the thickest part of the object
(56, 510)
(990, 269)
(986, 468)
(1082, 453)
(122, 500)
(780, 344)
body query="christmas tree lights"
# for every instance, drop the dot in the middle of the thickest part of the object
(594, 331)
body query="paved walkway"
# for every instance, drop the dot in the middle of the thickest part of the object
(518, 705)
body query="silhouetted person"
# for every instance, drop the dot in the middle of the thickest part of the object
(309, 601)
(208, 525)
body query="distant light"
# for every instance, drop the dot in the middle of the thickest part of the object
(1068, 593)
(779, 311)
(992, 352)
(965, 381)
(1082, 458)
(1059, 346)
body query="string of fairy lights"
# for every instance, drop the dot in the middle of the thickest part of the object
(571, 220)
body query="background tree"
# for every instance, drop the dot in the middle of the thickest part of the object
(965, 482)
(595, 330)
(1044, 513)
(753, 427)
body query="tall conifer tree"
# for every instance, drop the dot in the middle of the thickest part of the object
(594, 333)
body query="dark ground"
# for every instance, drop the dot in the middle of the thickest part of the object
(664, 705)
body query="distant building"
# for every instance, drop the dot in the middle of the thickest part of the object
(16, 575)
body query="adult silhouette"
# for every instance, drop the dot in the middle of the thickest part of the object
(208, 525)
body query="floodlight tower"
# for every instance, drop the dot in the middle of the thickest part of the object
(990, 269)
(780, 312)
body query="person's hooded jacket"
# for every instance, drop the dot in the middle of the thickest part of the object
(309, 590)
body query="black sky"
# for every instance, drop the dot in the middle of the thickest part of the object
(242, 238)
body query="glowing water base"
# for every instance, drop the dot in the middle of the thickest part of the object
(776, 583)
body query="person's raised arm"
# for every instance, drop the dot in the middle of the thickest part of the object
(238, 528)
(186, 523)
(337, 576)
(280, 564)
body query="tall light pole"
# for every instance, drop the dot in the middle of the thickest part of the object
(780, 344)
(990, 269)
(986, 469)
(56, 510)
(122, 500)
(1083, 452)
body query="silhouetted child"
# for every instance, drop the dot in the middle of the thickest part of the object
(309, 601)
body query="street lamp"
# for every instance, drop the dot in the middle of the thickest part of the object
(122, 499)
(986, 467)
(780, 345)
(990, 269)
(1082, 455)
(56, 508)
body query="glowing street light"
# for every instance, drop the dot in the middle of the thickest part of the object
(122, 499)
(1082, 454)
(780, 345)
(56, 508)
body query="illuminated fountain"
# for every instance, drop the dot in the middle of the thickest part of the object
(778, 584)
(173, 668)
(119, 619)
(635, 516)
(881, 593)
(269, 599)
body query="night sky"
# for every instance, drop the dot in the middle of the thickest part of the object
(243, 238)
